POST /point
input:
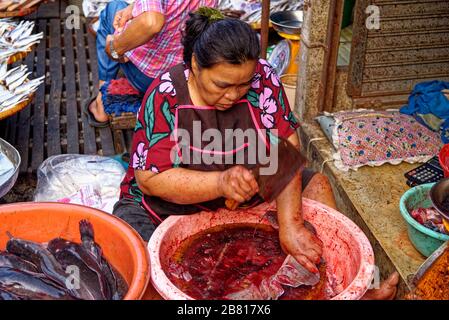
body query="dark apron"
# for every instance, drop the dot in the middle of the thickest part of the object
(240, 116)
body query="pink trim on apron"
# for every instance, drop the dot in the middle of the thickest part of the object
(196, 107)
(148, 208)
(234, 151)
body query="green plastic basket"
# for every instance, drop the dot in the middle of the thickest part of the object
(424, 239)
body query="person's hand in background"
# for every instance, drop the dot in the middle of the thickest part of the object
(122, 17)
(109, 38)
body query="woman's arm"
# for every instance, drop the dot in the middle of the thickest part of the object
(184, 186)
(295, 239)
(138, 32)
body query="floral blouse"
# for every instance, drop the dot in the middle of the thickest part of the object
(155, 122)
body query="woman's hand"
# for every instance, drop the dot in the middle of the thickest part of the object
(302, 244)
(122, 17)
(237, 183)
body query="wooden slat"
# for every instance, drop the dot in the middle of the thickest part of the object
(107, 144)
(53, 118)
(90, 146)
(119, 141)
(70, 87)
(11, 129)
(129, 139)
(23, 138)
(39, 103)
(50, 10)
(63, 7)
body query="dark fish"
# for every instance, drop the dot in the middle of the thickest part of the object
(116, 281)
(5, 295)
(93, 282)
(118, 285)
(33, 286)
(43, 259)
(10, 260)
(88, 239)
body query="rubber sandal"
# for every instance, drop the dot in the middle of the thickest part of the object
(91, 118)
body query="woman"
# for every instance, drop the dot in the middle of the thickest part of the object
(221, 69)
(221, 85)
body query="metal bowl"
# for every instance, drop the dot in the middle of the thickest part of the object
(289, 22)
(438, 194)
(14, 156)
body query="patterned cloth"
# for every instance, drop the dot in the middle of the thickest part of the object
(151, 142)
(377, 137)
(119, 96)
(165, 49)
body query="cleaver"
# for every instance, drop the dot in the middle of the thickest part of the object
(289, 161)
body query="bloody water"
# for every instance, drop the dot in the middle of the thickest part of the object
(224, 260)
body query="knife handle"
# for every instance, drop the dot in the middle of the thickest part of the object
(231, 204)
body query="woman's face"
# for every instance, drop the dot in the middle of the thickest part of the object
(223, 84)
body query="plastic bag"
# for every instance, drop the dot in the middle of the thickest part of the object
(291, 273)
(93, 8)
(93, 181)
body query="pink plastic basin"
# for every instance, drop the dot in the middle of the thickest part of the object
(346, 250)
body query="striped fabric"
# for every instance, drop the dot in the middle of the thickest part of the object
(165, 49)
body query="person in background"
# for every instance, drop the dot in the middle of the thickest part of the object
(142, 39)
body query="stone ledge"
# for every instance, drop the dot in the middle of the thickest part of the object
(370, 197)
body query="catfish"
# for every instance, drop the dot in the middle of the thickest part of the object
(6, 295)
(118, 285)
(93, 282)
(43, 259)
(10, 260)
(31, 285)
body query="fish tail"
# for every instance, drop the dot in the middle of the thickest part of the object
(86, 229)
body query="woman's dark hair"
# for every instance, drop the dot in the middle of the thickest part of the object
(214, 41)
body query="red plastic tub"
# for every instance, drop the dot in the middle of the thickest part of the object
(121, 244)
(443, 157)
(346, 249)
